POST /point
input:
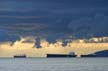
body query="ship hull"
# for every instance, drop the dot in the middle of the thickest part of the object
(59, 56)
(20, 56)
(103, 53)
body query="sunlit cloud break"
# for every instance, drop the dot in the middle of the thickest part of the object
(28, 46)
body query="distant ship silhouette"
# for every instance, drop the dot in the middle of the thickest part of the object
(61, 55)
(20, 56)
(103, 53)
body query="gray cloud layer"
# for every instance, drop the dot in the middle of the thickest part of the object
(51, 18)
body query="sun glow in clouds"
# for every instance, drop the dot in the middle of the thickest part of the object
(27, 46)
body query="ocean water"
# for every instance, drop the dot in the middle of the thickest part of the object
(54, 64)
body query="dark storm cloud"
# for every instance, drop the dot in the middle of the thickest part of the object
(81, 18)
(90, 26)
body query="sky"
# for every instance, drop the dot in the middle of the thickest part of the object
(48, 25)
(53, 19)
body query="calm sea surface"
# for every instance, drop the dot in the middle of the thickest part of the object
(54, 64)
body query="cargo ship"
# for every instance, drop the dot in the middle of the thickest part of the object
(103, 53)
(90, 55)
(61, 55)
(20, 56)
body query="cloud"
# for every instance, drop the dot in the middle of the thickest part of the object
(21, 17)
(24, 28)
(52, 18)
(50, 21)
(90, 26)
